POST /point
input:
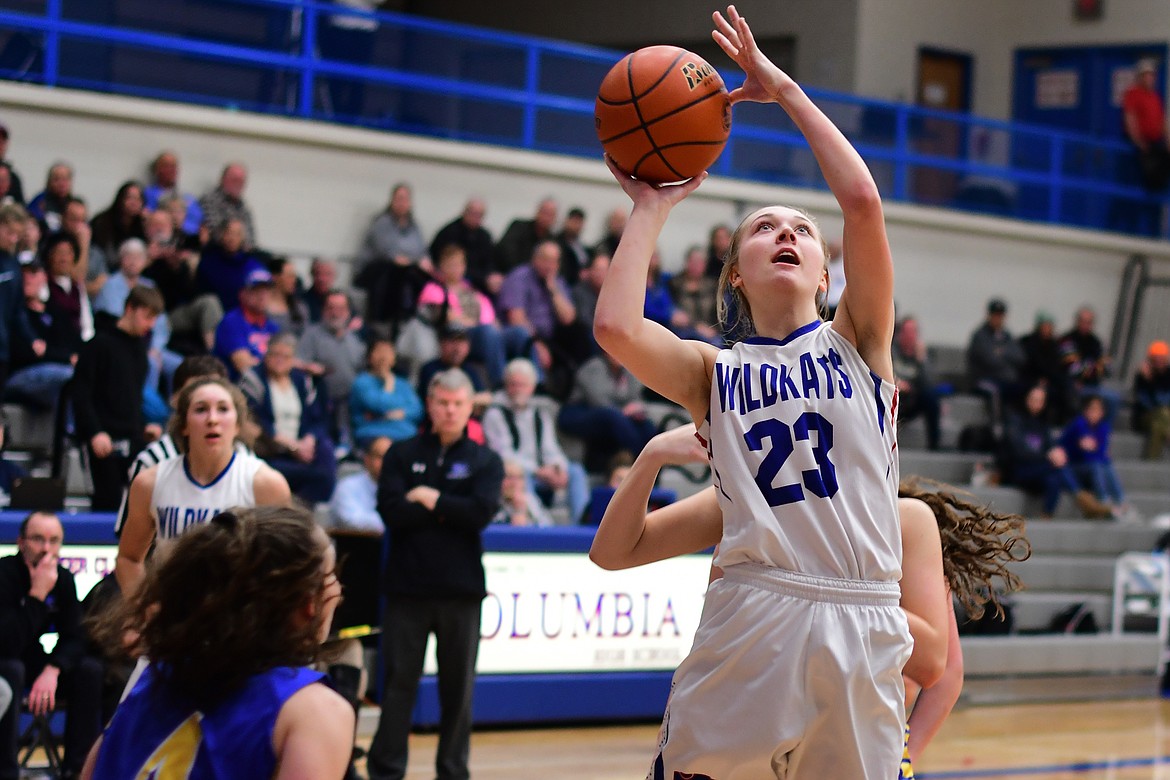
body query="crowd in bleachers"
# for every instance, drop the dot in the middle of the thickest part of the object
(1052, 401)
(352, 361)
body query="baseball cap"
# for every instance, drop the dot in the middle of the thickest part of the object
(1146, 65)
(1043, 316)
(4, 130)
(1159, 349)
(996, 306)
(452, 331)
(258, 277)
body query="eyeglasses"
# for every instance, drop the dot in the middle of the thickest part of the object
(37, 539)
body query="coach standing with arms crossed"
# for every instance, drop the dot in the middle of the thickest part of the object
(437, 493)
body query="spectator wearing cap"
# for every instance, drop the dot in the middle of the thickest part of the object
(242, 336)
(455, 352)
(1144, 116)
(1151, 399)
(574, 253)
(15, 187)
(382, 403)
(1044, 364)
(451, 300)
(994, 360)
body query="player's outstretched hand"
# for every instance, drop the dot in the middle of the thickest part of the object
(678, 446)
(644, 193)
(764, 80)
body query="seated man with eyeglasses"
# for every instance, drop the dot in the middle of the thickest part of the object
(37, 597)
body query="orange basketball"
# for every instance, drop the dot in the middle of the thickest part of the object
(663, 114)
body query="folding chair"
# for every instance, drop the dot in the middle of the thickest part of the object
(39, 735)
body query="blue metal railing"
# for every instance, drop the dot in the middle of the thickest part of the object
(408, 74)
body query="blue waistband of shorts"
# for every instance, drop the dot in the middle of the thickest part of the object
(813, 588)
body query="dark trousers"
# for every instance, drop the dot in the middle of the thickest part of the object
(81, 691)
(405, 628)
(606, 430)
(109, 475)
(313, 481)
(924, 403)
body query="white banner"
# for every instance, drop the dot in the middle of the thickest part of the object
(559, 612)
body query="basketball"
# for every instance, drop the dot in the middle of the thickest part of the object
(663, 114)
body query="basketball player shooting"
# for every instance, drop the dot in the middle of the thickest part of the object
(796, 667)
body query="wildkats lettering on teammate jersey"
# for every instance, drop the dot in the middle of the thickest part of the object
(179, 502)
(801, 436)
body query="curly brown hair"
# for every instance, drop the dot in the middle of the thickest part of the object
(219, 607)
(977, 544)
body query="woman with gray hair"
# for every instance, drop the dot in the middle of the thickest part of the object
(294, 426)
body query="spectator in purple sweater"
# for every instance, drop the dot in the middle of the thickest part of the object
(1086, 441)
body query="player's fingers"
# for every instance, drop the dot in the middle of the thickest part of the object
(725, 27)
(747, 40)
(724, 44)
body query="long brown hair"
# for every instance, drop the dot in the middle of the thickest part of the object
(977, 544)
(220, 607)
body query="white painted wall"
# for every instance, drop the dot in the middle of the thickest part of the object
(314, 187)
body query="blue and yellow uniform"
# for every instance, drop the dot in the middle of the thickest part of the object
(154, 737)
(905, 769)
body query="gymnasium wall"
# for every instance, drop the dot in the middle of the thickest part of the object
(314, 187)
(891, 31)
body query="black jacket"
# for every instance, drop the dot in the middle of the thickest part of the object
(24, 619)
(438, 554)
(108, 383)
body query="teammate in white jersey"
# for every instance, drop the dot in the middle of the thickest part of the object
(211, 476)
(796, 667)
(165, 447)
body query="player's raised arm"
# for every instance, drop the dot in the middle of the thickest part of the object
(866, 313)
(677, 369)
(629, 537)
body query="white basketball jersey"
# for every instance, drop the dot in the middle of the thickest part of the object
(179, 502)
(802, 440)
